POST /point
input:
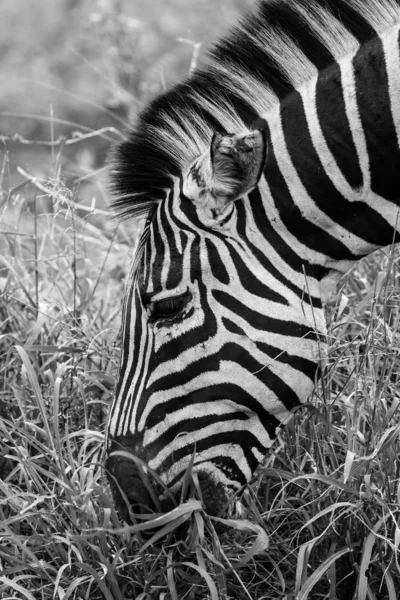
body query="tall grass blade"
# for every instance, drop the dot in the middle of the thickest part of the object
(308, 585)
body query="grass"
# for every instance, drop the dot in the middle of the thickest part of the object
(321, 517)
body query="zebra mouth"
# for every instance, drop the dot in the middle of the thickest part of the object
(130, 494)
(136, 500)
(138, 492)
(215, 496)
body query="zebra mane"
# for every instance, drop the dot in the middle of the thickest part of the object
(283, 42)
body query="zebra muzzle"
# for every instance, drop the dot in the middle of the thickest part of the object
(129, 491)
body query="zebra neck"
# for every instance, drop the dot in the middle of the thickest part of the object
(332, 177)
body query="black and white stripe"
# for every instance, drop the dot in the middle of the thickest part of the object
(321, 80)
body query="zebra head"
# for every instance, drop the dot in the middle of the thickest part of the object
(223, 325)
(212, 340)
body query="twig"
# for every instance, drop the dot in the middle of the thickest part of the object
(76, 138)
(49, 192)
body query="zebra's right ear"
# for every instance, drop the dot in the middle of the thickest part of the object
(230, 169)
(237, 163)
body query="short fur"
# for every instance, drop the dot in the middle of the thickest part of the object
(229, 93)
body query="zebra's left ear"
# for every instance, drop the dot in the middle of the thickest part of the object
(230, 169)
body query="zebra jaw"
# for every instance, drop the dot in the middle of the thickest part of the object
(227, 171)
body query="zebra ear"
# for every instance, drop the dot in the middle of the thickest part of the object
(237, 163)
(230, 169)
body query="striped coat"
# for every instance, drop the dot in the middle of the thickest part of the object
(263, 178)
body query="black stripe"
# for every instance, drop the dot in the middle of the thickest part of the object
(183, 237)
(375, 111)
(174, 276)
(233, 327)
(159, 253)
(335, 125)
(217, 266)
(143, 268)
(142, 275)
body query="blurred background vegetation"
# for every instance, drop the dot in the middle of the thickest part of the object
(71, 67)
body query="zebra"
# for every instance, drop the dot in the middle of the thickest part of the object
(261, 179)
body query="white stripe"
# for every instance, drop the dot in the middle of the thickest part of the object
(390, 42)
(131, 424)
(166, 254)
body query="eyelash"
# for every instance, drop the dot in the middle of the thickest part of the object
(168, 308)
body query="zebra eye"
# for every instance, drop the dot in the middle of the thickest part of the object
(168, 308)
